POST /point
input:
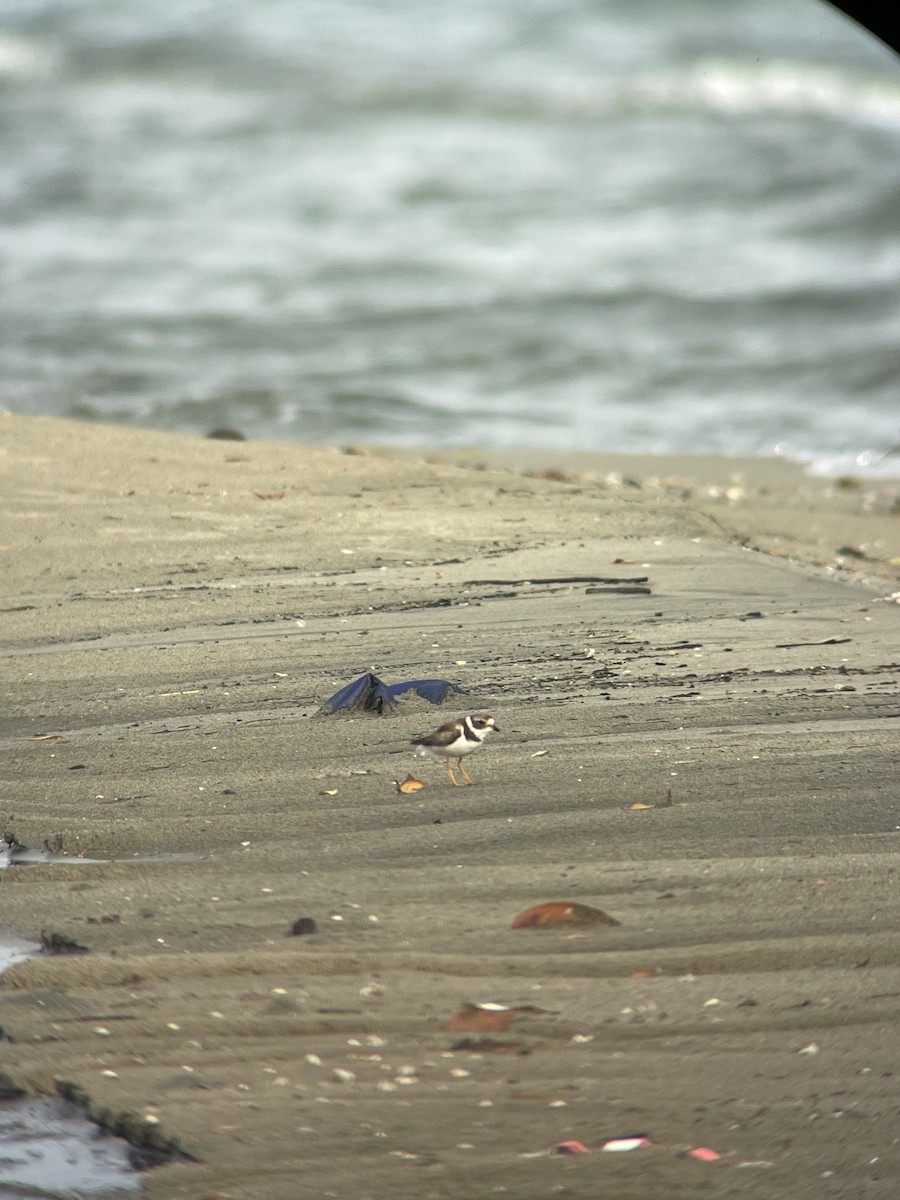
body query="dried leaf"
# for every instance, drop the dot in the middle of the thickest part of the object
(540, 753)
(638, 804)
(46, 737)
(561, 912)
(270, 495)
(409, 784)
(329, 792)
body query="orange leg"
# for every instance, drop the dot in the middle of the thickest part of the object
(453, 778)
(463, 772)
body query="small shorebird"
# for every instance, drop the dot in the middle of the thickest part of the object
(455, 740)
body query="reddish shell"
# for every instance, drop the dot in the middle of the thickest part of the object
(562, 912)
(479, 1020)
(409, 784)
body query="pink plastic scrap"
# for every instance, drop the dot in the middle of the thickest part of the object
(571, 1148)
(704, 1154)
(631, 1141)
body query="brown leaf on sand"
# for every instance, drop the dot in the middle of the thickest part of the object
(638, 804)
(46, 737)
(409, 784)
(270, 495)
(561, 912)
(473, 1019)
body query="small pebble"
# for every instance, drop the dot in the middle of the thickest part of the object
(303, 926)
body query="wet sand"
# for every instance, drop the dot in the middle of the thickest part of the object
(176, 609)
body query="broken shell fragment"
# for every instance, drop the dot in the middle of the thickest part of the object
(704, 1154)
(634, 1141)
(407, 785)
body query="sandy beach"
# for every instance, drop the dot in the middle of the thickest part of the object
(709, 755)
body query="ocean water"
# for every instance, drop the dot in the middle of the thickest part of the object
(614, 224)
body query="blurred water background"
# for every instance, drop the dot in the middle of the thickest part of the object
(635, 225)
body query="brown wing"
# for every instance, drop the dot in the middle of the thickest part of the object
(445, 736)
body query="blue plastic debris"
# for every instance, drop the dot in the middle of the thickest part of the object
(369, 694)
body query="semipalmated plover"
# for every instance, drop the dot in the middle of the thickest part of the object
(456, 739)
